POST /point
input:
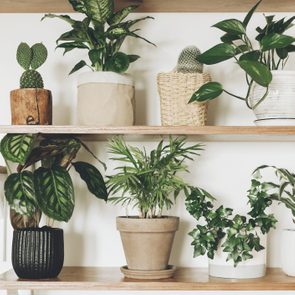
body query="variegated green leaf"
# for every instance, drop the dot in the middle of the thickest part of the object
(65, 18)
(93, 179)
(17, 147)
(55, 192)
(120, 15)
(20, 193)
(78, 5)
(99, 10)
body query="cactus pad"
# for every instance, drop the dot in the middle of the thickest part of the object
(24, 55)
(31, 79)
(39, 55)
(187, 62)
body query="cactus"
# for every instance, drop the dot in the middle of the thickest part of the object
(187, 62)
(30, 59)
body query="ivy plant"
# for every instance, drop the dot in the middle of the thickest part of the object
(149, 181)
(238, 235)
(49, 188)
(102, 32)
(271, 52)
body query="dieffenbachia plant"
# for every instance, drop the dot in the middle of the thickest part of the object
(257, 62)
(102, 33)
(238, 235)
(49, 188)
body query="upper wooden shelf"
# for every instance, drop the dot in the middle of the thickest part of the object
(28, 6)
(205, 133)
(185, 279)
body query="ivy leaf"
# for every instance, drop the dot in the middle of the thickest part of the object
(252, 55)
(275, 41)
(207, 92)
(231, 26)
(250, 14)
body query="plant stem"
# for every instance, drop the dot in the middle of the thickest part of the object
(261, 99)
(236, 96)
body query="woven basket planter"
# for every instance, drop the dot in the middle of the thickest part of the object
(175, 91)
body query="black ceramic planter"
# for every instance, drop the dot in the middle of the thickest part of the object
(37, 253)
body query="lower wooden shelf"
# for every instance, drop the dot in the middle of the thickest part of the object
(185, 279)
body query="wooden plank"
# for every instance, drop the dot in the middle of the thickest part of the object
(26, 6)
(185, 279)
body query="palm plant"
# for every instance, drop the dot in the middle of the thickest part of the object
(102, 33)
(272, 53)
(149, 181)
(49, 188)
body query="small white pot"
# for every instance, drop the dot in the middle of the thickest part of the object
(288, 252)
(249, 269)
(105, 99)
(279, 105)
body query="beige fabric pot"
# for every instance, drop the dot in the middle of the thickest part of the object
(147, 243)
(31, 106)
(105, 99)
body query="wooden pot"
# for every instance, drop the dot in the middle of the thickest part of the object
(31, 106)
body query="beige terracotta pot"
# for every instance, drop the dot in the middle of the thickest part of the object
(105, 99)
(31, 106)
(147, 243)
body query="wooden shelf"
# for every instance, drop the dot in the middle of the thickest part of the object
(185, 279)
(42, 6)
(205, 133)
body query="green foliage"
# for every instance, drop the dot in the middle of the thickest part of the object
(102, 33)
(187, 61)
(49, 188)
(30, 59)
(237, 235)
(149, 181)
(273, 53)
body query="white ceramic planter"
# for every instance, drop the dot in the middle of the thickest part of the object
(288, 252)
(279, 105)
(105, 99)
(249, 269)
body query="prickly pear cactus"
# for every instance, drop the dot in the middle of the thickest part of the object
(30, 59)
(187, 62)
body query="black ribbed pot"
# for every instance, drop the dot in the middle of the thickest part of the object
(37, 253)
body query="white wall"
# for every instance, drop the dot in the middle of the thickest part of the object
(224, 168)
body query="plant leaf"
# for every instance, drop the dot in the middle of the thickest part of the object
(250, 13)
(17, 147)
(78, 5)
(217, 54)
(93, 178)
(118, 63)
(65, 18)
(122, 14)
(20, 193)
(207, 92)
(252, 55)
(24, 55)
(133, 57)
(55, 192)
(257, 71)
(99, 10)
(78, 66)
(231, 26)
(275, 41)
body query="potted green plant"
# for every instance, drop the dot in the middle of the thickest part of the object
(37, 253)
(233, 243)
(281, 190)
(105, 95)
(31, 104)
(270, 88)
(150, 183)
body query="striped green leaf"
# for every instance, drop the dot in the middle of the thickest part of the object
(20, 193)
(99, 10)
(122, 14)
(93, 179)
(55, 192)
(17, 147)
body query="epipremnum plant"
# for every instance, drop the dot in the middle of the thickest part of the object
(149, 181)
(30, 59)
(272, 53)
(102, 33)
(238, 235)
(49, 188)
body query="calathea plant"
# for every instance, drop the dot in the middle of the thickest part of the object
(102, 33)
(30, 59)
(238, 235)
(257, 60)
(49, 188)
(149, 181)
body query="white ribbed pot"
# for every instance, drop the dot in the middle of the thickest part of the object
(288, 252)
(278, 108)
(105, 99)
(249, 269)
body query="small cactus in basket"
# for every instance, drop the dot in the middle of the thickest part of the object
(30, 59)
(187, 61)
